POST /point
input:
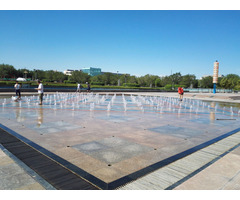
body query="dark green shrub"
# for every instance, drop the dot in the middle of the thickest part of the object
(97, 83)
(67, 81)
(47, 80)
(131, 85)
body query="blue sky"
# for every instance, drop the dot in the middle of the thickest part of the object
(129, 41)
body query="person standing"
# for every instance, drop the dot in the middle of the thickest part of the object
(88, 87)
(17, 87)
(40, 92)
(78, 87)
(180, 92)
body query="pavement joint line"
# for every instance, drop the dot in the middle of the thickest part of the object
(233, 178)
(28, 170)
(159, 174)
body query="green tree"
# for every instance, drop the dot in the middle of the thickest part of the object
(79, 77)
(158, 82)
(150, 79)
(147, 80)
(233, 79)
(219, 81)
(189, 80)
(225, 83)
(206, 82)
(60, 77)
(127, 78)
(166, 80)
(132, 79)
(3, 71)
(237, 87)
(230, 81)
(7, 71)
(232, 76)
(23, 73)
(106, 79)
(96, 79)
(141, 81)
(176, 78)
(49, 75)
(109, 78)
(40, 74)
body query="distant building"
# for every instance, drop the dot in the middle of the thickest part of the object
(68, 72)
(92, 71)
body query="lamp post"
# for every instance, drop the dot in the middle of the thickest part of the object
(35, 74)
(118, 79)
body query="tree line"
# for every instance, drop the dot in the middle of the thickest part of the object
(230, 81)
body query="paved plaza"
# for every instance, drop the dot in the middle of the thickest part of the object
(116, 138)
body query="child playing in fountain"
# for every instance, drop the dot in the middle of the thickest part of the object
(180, 92)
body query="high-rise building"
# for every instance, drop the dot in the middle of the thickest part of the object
(92, 71)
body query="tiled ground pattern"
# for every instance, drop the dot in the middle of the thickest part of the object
(110, 144)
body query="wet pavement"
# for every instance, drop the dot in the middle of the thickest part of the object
(111, 136)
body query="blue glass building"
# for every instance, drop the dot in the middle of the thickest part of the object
(92, 71)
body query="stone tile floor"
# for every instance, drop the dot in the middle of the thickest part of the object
(131, 135)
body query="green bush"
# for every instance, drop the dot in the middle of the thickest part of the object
(7, 83)
(131, 85)
(168, 87)
(177, 86)
(97, 83)
(47, 80)
(67, 81)
(172, 87)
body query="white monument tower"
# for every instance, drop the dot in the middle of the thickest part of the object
(215, 75)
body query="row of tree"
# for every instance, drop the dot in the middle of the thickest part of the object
(230, 81)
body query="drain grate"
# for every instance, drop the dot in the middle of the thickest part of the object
(55, 174)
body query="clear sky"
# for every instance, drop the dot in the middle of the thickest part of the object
(128, 41)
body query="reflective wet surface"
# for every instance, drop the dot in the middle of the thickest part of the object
(111, 136)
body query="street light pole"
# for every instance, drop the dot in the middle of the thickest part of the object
(118, 79)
